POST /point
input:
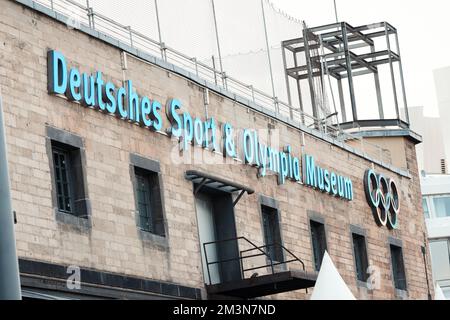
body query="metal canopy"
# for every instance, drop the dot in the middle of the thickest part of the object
(265, 285)
(202, 180)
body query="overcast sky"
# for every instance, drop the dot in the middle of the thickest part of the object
(424, 32)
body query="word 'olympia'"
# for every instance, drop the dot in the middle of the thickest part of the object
(100, 194)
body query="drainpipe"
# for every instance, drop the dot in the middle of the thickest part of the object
(424, 253)
(9, 265)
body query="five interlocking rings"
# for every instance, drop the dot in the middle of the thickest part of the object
(382, 195)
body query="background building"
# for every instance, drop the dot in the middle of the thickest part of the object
(431, 154)
(441, 80)
(436, 204)
(435, 181)
(108, 196)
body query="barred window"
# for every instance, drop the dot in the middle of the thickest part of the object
(319, 242)
(361, 260)
(398, 267)
(272, 234)
(148, 202)
(68, 180)
(64, 190)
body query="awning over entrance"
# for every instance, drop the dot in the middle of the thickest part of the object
(202, 180)
(265, 285)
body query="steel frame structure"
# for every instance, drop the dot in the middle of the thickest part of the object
(340, 57)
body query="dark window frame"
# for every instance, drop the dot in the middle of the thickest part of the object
(63, 179)
(361, 259)
(73, 146)
(272, 204)
(317, 260)
(144, 200)
(150, 170)
(397, 245)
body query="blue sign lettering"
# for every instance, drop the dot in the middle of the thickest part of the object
(94, 91)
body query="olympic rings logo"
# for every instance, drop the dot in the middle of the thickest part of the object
(382, 195)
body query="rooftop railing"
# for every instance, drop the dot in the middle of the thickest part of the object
(78, 14)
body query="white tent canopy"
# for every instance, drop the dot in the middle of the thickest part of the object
(329, 284)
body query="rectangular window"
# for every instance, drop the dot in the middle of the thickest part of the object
(426, 210)
(398, 267)
(68, 175)
(360, 252)
(442, 207)
(272, 235)
(62, 178)
(148, 202)
(440, 259)
(319, 242)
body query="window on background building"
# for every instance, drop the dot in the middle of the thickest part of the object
(68, 175)
(398, 267)
(426, 210)
(442, 206)
(361, 260)
(272, 235)
(446, 291)
(148, 202)
(319, 242)
(440, 259)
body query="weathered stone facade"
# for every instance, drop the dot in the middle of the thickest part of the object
(112, 243)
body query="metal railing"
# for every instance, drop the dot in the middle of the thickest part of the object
(262, 251)
(79, 14)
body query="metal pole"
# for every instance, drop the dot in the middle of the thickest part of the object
(159, 29)
(348, 63)
(9, 265)
(88, 9)
(268, 49)
(90, 13)
(288, 88)
(217, 37)
(310, 73)
(402, 79)
(130, 32)
(342, 101)
(378, 88)
(391, 66)
(214, 69)
(335, 11)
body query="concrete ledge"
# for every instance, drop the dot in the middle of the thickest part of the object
(79, 223)
(411, 135)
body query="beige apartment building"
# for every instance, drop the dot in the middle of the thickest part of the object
(148, 182)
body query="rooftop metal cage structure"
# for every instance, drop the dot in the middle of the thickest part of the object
(342, 53)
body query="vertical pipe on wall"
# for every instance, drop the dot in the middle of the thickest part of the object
(9, 266)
